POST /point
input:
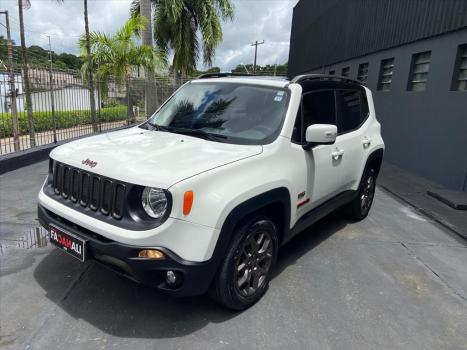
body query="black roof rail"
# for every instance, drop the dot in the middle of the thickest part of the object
(303, 77)
(223, 75)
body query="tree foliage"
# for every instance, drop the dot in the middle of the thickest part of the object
(280, 69)
(40, 57)
(120, 54)
(188, 28)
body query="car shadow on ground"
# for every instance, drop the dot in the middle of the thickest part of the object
(122, 308)
(308, 240)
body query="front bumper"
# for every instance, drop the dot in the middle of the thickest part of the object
(123, 259)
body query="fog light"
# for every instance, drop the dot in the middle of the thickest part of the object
(173, 278)
(151, 254)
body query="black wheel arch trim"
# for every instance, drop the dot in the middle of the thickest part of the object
(376, 154)
(279, 195)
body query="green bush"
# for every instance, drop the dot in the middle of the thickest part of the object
(64, 119)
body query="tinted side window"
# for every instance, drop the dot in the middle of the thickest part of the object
(297, 128)
(319, 108)
(365, 108)
(349, 108)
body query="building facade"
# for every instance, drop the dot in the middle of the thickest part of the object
(413, 56)
(40, 78)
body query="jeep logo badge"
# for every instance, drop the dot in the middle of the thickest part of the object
(90, 163)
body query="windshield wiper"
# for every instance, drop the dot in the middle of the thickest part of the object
(158, 127)
(197, 133)
(191, 132)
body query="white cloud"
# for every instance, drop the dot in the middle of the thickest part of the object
(64, 21)
(256, 20)
(268, 20)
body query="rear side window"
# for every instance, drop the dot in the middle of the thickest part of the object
(352, 109)
(346, 108)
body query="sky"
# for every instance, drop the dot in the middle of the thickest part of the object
(268, 20)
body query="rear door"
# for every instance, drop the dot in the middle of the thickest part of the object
(352, 111)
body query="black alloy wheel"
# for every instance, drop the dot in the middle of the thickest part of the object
(359, 208)
(244, 274)
(254, 262)
(367, 192)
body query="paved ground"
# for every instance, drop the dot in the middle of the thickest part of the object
(413, 190)
(394, 281)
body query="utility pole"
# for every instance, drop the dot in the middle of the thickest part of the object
(52, 102)
(255, 44)
(11, 73)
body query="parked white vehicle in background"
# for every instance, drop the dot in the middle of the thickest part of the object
(202, 195)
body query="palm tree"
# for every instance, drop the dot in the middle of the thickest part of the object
(27, 90)
(177, 24)
(32, 135)
(150, 100)
(92, 97)
(119, 54)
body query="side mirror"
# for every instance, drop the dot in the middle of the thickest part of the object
(320, 134)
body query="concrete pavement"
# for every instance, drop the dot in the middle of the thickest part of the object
(414, 190)
(396, 280)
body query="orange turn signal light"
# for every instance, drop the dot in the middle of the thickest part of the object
(151, 254)
(187, 202)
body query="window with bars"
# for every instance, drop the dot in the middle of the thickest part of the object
(345, 71)
(419, 70)
(459, 81)
(385, 74)
(362, 74)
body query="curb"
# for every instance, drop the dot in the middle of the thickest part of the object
(426, 213)
(16, 160)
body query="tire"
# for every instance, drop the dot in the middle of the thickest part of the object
(359, 208)
(244, 275)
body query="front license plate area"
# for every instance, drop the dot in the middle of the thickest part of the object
(73, 245)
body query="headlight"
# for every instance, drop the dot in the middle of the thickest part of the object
(154, 201)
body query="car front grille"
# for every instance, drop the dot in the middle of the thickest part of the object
(89, 190)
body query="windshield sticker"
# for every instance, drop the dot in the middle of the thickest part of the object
(279, 96)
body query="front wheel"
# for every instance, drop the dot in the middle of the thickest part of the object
(244, 275)
(359, 208)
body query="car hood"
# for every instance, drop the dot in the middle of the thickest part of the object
(150, 158)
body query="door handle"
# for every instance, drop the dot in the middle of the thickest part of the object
(366, 142)
(337, 154)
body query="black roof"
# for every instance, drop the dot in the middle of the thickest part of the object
(298, 79)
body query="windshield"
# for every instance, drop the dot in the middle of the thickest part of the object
(235, 113)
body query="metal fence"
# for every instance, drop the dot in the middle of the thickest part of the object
(60, 106)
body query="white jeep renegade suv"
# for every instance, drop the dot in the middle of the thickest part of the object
(202, 195)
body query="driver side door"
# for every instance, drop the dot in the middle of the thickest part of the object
(323, 162)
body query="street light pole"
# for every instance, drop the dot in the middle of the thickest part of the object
(255, 44)
(11, 73)
(52, 102)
